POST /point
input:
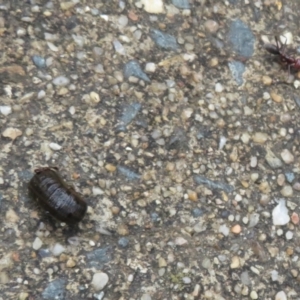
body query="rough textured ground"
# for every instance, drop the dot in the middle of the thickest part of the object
(180, 130)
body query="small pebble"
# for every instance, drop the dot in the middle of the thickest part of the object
(235, 262)
(236, 229)
(153, 6)
(179, 241)
(186, 280)
(296, 186)
(71, 263)
(295, 218)
(150, 67)
(287, 191)
(289, 235)
(267, 80)
(280, 214)
(273, 161)
(281, 296)
(192, 195)
(197, 212)
(162, 262)
(54, 146)
(5, 110)
(287, 156)
(61, 81)
(224, 230)
(12, 133)
(253, 295)
(37, 243)
(146, 297)
(123, 242)
(57, 249)
(260, 137)
(99, 281)
(275, 97)
(211, 26)
(219, 88)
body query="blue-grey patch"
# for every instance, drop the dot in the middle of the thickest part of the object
(25, 175)
(164, 40)
(183, 4)
(214, 185)
(237, 70)
(290, 176)
(129, 174)
(55, 290)
(129, 112)
(39, 61)
(241, 38)
(133, 68)
(197, 212)
(99, 257)
(123, 242)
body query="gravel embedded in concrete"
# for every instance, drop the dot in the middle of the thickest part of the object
(179, 129)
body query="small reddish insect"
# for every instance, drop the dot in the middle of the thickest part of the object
(280, 49)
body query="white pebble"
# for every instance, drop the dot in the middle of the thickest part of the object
(224, 230)
(253, 295)
(97, 191)
(222, 142)
(72, 110)
(37, 243)
(253, 161)
(150, 67)
(153, 6)
(55, 146)
(180, 241)
(281, 296)
(245, 137)
(123, 20)
(186, 280)
(289, 235)
(99, 281)
(5, 110)
(279, 232)
(245, 220)
(119, 47)
(286, 38)
(274, 275)
(280, 214)
(61, 81)
(287, 156)
(254, 219)
(41, 94)
(219, 87)
(57, 249)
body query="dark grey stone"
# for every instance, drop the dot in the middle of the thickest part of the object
(241, 38)
(39, 61)
(164, 40)
(99, 257)
(123, 242)
(197, 212)
(129, 112)
(129, 174)
(237, 70)
(55, 290)
(133, 68)
(290, 176)
(214, 185)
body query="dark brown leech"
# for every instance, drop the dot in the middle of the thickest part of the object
(55, 196)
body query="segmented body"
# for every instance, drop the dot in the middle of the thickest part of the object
(60, 199)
